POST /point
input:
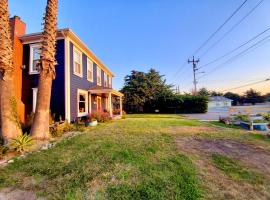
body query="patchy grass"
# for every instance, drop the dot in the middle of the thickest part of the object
(154, 116)
(234, 169)
(217, 123)
(128, 159)
(261, 137)
(148, 157)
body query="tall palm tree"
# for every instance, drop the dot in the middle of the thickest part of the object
(10, 124)
(40, 127)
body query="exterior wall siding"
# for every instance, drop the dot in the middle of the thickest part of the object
(58, 86)
(77, 82)
(31, 81)
(82, 83)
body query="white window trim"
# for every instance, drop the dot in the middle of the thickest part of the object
(88, 67)
(75, 73)
(106, 84)
(34, 97)
(99, 70)
(110, 82)
(32, 46)
(86, 102)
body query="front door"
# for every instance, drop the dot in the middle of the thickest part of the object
(99, 104)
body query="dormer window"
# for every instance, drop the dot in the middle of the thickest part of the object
(98, 76)
(35, 51)
(77, 62)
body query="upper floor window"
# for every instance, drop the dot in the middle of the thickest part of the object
(110, 82)
(77, 62)
(98, 76)
(35, 51)
(105, 80)
(89, 70)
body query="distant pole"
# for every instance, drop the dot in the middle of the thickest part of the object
(195, 69)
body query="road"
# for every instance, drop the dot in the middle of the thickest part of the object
(215, 113)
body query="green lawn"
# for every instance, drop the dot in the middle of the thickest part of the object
(133, 158)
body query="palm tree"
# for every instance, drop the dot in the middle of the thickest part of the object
(10, 124)
(40, 127)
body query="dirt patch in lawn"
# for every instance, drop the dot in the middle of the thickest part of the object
(217, 183)
(252, 155)
(16, 194)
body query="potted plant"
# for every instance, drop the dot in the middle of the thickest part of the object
(90, 121)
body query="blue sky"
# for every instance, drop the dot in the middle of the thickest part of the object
(139, 34)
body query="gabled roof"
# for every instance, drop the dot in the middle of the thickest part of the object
(219, 98)
(68, 33)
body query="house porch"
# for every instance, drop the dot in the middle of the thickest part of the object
(105, 100)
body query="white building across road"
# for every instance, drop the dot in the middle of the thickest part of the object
(219, 101)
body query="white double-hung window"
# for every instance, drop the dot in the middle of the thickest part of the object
(82, 103)
(77, 62)
(90, 70)
(105, 80)
(35, 51)
(98, 76)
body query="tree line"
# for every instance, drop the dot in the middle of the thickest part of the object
(250, 96)
(10, 124)
(148, 92)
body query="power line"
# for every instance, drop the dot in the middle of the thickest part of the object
(211, 36)
(234, 58)
(179, 70)
(220, 27)
(235, 49)
(255, 83)
(237, 56)
(232, 28)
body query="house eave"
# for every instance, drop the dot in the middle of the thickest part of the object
(68, 33)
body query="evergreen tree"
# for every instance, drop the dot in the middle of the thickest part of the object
(142, 90)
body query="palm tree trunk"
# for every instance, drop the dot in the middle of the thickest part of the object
(10, 124)
(40, 127)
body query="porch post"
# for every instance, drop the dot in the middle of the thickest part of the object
(110, 104)
(90, 103)
(121, 106)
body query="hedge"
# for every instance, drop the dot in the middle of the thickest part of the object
(182, 104)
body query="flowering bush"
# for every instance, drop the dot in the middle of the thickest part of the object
(116, 111)
(101, 116)
(90, 118)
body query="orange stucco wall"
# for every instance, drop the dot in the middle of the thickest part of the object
(18, 29)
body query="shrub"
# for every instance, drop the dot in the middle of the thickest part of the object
(266, 116)
(3, 151)
(101, 116)
(124, 114)
(90, 118)
(225, 120)
(241, 117)
(259, 121)
(59, 129)
(116, 111)
(26, 126)
(182, 104)
(22, 143)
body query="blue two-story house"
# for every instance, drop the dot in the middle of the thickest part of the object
(83, 83)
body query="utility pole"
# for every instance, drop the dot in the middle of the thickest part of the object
(195, 69)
